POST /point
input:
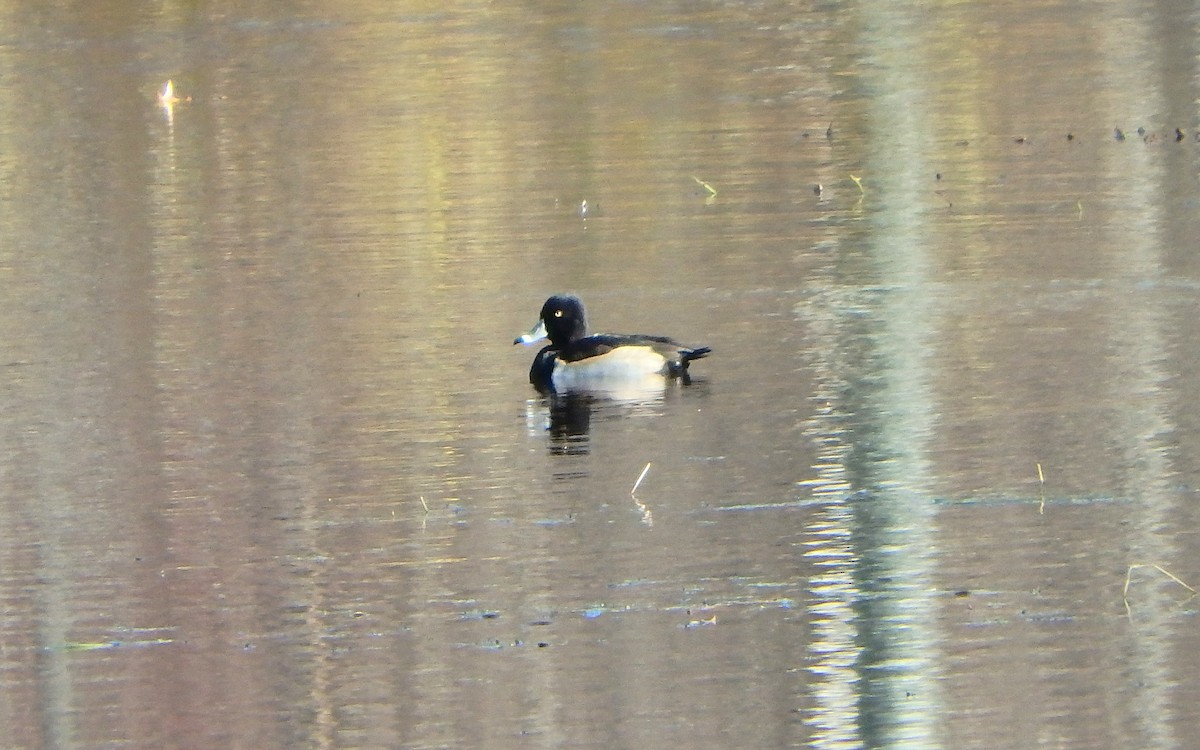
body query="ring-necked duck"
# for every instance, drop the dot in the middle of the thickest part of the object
(575, 360)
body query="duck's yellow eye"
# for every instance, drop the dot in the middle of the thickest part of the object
(558, 313)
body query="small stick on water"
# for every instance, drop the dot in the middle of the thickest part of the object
(1042, 481)
(1160, 569)
(424, 504)
(647, 516)
(641, 476)
(712, 191)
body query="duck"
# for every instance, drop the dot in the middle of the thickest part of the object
(575, 360)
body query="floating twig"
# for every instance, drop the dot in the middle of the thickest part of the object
(647, 517)
(641, 476)
(712, 191)
(1042, 482)
(166, 97)
(858, 181)
(1160, 569)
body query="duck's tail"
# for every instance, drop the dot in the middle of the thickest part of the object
(680, 367)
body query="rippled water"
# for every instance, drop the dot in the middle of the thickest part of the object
(273, 476)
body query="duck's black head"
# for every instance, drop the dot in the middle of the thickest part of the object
(564, 319)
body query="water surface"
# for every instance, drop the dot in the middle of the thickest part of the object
(273, 475)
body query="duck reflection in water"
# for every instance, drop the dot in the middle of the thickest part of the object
(567, 418)
(570, 422)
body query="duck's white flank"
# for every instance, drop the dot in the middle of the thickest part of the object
(622, 363)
